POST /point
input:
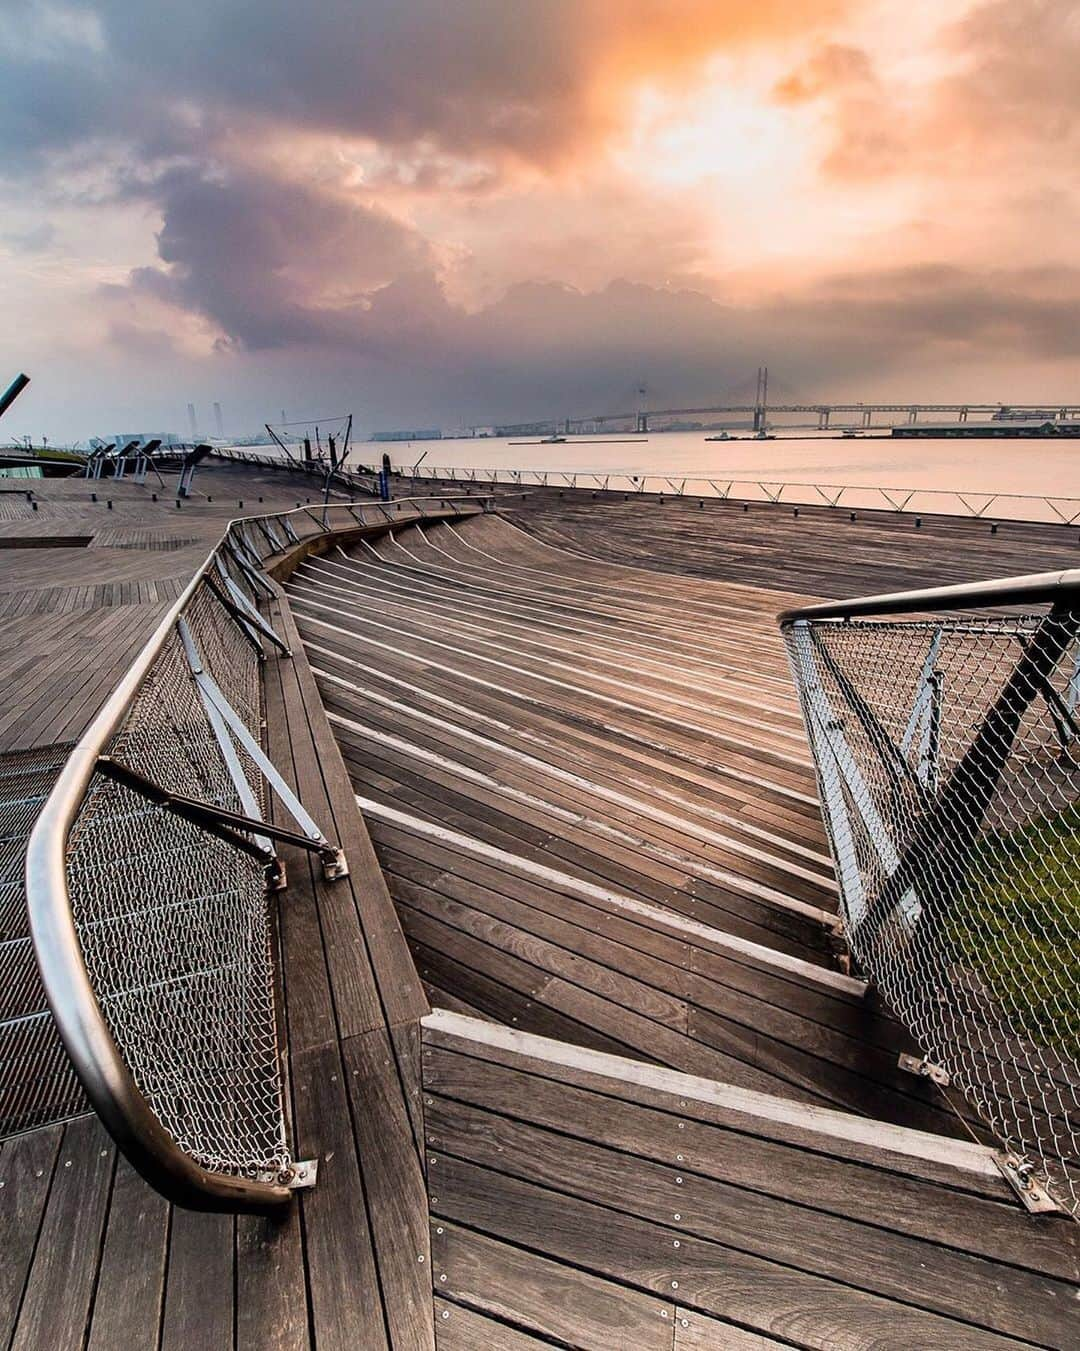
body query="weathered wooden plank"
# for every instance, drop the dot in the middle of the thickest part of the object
(60, 1284)
(696, 1332)
(997, 1230)
(308, 1001)
(271, 1291)
(199, 1287)
(394, 1187)
(356, 1001)
(759, 1295)
(459, 1328)
(550, 1298)
(26, 1169)
(346, 1305)
(930, 1276)
(769, 1116)
(400, 992)
(131, 1281)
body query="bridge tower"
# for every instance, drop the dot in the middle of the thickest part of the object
(761, 399)
(641, 422)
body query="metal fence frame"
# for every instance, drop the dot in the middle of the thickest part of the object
(98, 1061)
(944, 831)
(867, 497)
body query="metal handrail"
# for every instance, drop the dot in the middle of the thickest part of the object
(81, 1024)
(1036, 588)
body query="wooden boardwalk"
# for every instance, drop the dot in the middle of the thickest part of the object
(574, 1198)
(78, 606)
(654, 1109)
(768, 546)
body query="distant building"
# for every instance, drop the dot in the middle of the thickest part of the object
(997, 429)
(420, 434)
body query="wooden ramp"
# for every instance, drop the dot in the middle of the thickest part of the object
(828, 551)
(592, 798)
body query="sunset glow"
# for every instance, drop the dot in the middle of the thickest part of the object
(269, 202)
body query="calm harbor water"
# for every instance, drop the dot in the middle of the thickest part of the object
(1038, 466)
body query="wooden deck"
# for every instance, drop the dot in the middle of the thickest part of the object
(578, 1198)
(767, 546)
(78, 606)
(655, 1110)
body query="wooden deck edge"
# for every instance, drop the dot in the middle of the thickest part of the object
(448, 1028)
(399, 982)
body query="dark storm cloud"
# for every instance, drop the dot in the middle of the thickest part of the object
(535, 81)
(546, 348)
(271, 262)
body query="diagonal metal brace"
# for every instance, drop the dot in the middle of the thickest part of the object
(250, 612)
(248, 619)
(229, 727)
(217, 820)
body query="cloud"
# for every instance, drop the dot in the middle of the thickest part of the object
(1007, 100)
(832, 68)
(271, 261)
(531, 83)
(33, 239)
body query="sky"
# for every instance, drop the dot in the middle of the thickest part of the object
(437, 214)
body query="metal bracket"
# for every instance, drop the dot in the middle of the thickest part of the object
(219, 711)
(222, 822)
(925, 1069)
(246, 615)
(1032, 1191)
(305, 1174)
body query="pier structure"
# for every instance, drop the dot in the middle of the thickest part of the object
(424, 927)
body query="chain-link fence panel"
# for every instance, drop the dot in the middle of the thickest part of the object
(174, 922)
(948, 762)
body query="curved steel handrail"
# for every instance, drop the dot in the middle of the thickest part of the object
(80, 1022)
(1036, 588)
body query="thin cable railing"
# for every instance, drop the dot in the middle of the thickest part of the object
(1036, 508)
(148, 875)
(945, 727)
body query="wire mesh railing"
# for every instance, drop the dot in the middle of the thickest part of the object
(148, 875)
(1048, 508)
(947, 751)
(174, 922)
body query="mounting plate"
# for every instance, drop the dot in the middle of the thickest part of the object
(1020, 1175)
(305, 1173)
(925, 1069)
